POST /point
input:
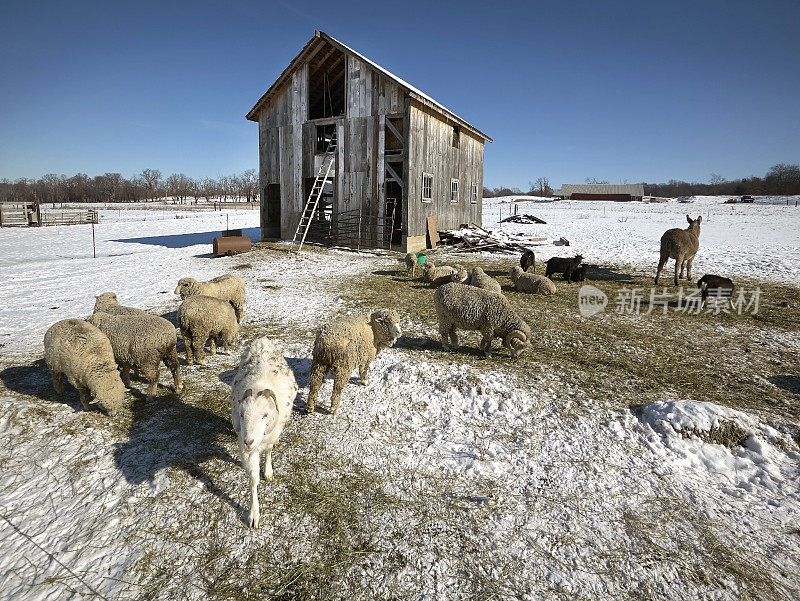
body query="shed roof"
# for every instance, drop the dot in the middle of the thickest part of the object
(632, 189)
(320, 37)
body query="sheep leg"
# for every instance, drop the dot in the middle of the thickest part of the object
(251, 466)
(174, 366)
(661, 262)
(239, 311)
(85, 395)
(125, 372)
(187, 343)
(58, 381)
(340, 377)
(198, 342)
(454, 337)
(213, 345)
(689, 269)
(150, 374)
(486, 342)
(317, 375)
(446, 331)
(268, 474)
(362, 373)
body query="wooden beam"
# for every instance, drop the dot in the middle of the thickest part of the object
(393, 175)
(393, 129)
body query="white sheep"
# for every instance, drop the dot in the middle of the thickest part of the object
(347, 344)
(227, 287)
(80, 351)
(531, 283)
(461, 307)
(437, 275)
(108, 303)
(141, 342)
(479, 279)
(201, 318)
(262, 395)
(411, 264)
(461, 276)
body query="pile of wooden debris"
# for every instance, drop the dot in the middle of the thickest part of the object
(523, 219)
(477, 239)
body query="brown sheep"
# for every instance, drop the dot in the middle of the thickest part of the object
(681, 245)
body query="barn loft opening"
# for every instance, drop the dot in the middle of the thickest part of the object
(326, 83)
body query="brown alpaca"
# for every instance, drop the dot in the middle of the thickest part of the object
(682, 246)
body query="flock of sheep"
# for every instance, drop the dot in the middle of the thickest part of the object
(96, 354)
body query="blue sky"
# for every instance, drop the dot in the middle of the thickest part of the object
(636, 91)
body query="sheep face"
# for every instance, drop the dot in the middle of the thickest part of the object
(386, 325)
(186, 287)
(516, 342)
(107, 298)
(255, 416)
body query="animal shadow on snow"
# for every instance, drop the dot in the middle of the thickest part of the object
(186, 240)
(168, 432)
(787, 382)
(415, 343)
(35, 380)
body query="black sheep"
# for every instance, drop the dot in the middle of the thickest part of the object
(563, 265)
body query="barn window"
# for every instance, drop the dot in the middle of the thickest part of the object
(427, 187)
(455, 136)
(325, 134)
(474, 199)
(453, 190)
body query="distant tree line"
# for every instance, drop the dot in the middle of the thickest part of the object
(781, 180)
(148, 185)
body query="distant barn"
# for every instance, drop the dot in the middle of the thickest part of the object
(396, 156)
(601, 191)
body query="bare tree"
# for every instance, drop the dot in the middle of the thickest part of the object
(594, 180)
(152, 181)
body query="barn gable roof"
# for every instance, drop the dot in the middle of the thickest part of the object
(632, 189)
(313, 46)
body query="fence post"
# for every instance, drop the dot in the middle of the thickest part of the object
(1, 213)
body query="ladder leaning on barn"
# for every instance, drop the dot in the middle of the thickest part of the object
(323, 177)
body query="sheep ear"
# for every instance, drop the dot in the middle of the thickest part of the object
(247, 393)
(699, 219)
(689, 219)
(269, 395)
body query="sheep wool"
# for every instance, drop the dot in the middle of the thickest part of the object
(479, 279)
(228, 287)
(108, 303)
(262, 396)
(141, 342)
(461, 307)
(347, 344)
(531, 283)
(80, 351)
(202, 318)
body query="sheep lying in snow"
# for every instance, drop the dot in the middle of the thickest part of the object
(462, 307)
(227, 287)
(411, 265)
(349, 343)
(141, 342)
(204, 317)
(565, 265)
(78, 350)
(531, 283)
(262, 395)
(715, 286)
(108, 303)
(681, 245)
(461, 276)
(479, 279)
(437, 275)
(528, 260)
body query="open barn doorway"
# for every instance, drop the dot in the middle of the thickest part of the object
(271, 220)
(394, 209)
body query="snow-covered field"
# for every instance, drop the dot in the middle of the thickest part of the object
(446, 477)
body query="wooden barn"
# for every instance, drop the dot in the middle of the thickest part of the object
(354, 155)
(621, 192)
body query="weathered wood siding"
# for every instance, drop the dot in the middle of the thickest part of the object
(287, 148)
(431, 150)
(280, 134)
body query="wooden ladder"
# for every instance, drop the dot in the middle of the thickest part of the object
(323, 177)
